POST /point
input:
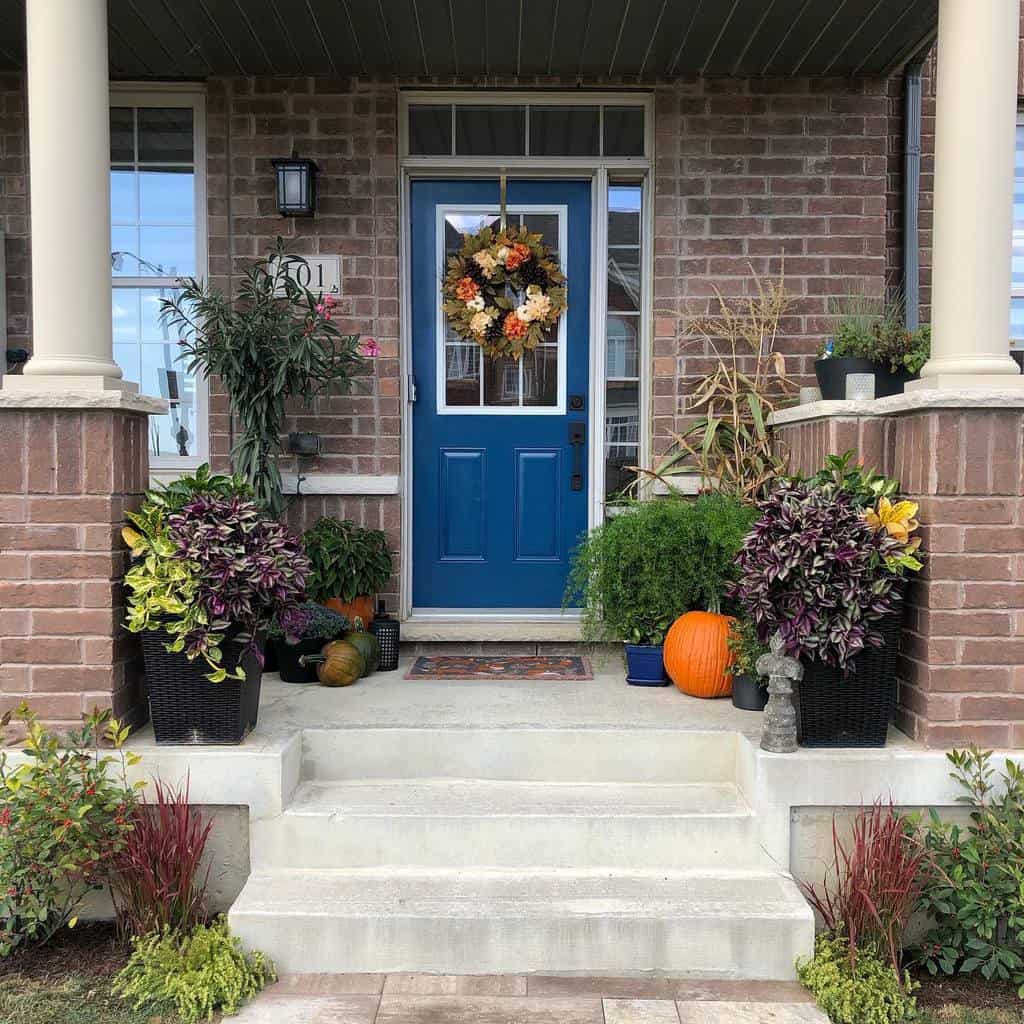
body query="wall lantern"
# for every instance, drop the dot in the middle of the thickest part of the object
(296, 186)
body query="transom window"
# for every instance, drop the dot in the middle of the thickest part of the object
(470, 382)
(508, 129)
(156, 238)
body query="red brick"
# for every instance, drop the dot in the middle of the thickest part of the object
(963, 623)
(993, 595)
(960, 679)
(77, 622)
(73, 566)
(74, 510)
(994, 538)
(39, 595)
(944, 735)
(993, 652)
(1000, 708)
(970, 567)
(46, 650)
(75, 678)
(28, 537)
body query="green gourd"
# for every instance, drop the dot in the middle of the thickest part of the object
(366, 643)
(338, 664)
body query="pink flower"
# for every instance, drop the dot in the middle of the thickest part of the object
(320, 307)
(369, 348)
(330, 301)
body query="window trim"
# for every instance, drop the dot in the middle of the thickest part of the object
(172, 94)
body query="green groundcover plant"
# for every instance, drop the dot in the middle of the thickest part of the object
(199, 974)
(975, 897)
(639, 571)
(65, 813)
(863, 991)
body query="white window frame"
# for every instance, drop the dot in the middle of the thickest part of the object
(143, 94)
(443, 408)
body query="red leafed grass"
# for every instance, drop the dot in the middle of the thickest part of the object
(158, 880)
(874, 882)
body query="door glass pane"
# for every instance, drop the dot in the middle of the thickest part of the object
(501, 381)
(624, 278)
(490, 131)
(565, 131)
(462, 373)
(623, 347)
(165, 135)
(623, 131)
(622, 434)
(430, 130)
(624, 215)
(545, 224)
(540, 376)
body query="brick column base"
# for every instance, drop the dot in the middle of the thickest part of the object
(67, 476)
(962, 665)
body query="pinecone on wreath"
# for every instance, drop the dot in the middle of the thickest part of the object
(533, 273)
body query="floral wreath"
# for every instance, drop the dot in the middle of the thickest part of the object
(503, 291)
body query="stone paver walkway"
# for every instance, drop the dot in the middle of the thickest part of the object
(509, 999)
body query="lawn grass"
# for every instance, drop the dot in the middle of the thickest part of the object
(75, 999)
(966, 1015)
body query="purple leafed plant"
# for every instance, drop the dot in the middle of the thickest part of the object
(250, 567)
(813, 570)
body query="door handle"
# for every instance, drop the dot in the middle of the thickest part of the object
(577, 438)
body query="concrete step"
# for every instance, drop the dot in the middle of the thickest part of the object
(530, 753)
(445, 823)
(718, 925)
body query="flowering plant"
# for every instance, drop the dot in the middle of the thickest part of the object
(218, 564)
(310, 621)
(504, 291)
(815, 571)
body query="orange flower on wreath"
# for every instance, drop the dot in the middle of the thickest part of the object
(467, 289)
(518, 255)
(514, 328)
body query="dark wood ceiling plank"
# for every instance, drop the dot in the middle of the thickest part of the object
(249, 36)
(898, 41)
(334, 32)
(536, 36)
(603, 31)
(636, 40)
(405, 41)
(435, 30)
(501, 36)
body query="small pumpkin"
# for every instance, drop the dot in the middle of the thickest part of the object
(365, 643)
(339, 663)
(697, 655)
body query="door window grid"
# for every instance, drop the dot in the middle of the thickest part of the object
(472, 382)
(155, 241)
(623, 326)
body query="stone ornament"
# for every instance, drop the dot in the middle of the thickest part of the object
(778, 735)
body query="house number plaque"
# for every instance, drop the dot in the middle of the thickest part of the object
(320, 274)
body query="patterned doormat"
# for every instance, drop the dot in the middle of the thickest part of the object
(560, 668)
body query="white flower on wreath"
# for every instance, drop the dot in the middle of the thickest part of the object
(486, 262)
(536, 307)
(480, 322)
(476, 304)
(502, 253)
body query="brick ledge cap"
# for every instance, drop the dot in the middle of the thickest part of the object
(911, 401)
(123, 401)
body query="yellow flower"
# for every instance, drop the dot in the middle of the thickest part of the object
(897, 520)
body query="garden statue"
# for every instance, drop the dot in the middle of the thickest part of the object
(779, 733)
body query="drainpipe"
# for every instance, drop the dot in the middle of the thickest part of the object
(912, 192)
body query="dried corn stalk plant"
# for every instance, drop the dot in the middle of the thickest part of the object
(730, 445)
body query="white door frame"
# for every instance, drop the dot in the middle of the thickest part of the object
(597, 171)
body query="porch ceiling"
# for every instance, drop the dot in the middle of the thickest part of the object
(592, 40)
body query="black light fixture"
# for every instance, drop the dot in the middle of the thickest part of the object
(296, 186)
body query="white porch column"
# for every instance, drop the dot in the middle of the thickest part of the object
(69, 153)
(976, 111)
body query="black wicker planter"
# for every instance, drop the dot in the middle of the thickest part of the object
(834, 709)
(291, 671)
(186, 707)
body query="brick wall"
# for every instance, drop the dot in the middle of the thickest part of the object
(14, 207)
(963, 646)
(749, 171)
(66, 480)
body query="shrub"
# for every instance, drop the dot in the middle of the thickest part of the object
(310, 621)
(874, 884)
(65, 812)
(157, 881)
(199, 973)
(975, 896)
(214, 565)
(347, 561)
(874, 328)
(639, 571)
(868, 991)
(814, 570)
(175, 494)
(745, 647)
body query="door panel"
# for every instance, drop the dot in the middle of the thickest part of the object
(496, 509)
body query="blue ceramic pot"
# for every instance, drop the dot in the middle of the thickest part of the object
(645, 665)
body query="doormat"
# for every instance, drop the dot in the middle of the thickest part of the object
(560, 668)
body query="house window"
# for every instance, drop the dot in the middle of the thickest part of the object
(1017, 278)
(156, 238)
(623, 323)
(513, 128)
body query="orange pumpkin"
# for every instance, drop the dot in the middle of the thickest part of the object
(357, 608)
(337, 664)
(697, 656)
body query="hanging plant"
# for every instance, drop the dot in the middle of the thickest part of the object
(503, 290)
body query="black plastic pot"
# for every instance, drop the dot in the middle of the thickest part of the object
(749, 693)
(831, 374)
(645, 665)
(186, 707)
(288, 666)
(851, 709)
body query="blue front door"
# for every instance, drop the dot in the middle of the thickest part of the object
(500, 446)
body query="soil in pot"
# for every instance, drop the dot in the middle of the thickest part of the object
(645, 665)
(288, 665)
(831, 374)
(185, 707)
(748, 693)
